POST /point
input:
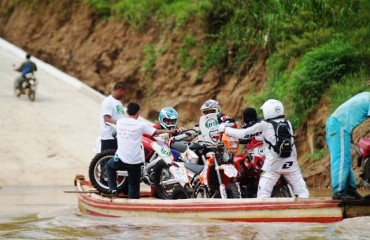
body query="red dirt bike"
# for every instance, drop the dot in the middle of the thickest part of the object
(363, 152)
(154, 151)
(249, 165)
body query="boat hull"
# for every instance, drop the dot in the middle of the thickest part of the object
(322, 210)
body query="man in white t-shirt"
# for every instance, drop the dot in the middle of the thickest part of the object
(129, 154)
(111, 110)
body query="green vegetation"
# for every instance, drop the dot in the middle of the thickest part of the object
(313, 48)
(149, 60)
(318, 154)
(187, 61)
(140, 13)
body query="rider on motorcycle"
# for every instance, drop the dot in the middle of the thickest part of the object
(167, 119)
(26, 67)
(212, 106)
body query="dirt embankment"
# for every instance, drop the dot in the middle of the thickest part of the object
(99, 52)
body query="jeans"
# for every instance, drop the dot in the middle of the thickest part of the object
(134, 175)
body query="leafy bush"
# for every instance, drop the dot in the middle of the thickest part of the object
(350, 85)
(318, 69)
(101, 7)
(187, 61)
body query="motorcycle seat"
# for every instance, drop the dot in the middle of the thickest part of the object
(196, 168)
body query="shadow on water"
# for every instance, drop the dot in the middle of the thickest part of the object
(44, 212)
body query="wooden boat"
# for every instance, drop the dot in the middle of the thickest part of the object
(323, 210)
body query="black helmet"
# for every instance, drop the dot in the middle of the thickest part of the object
(249, 115)
(28, 56)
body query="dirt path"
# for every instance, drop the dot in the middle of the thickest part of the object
(50, 140)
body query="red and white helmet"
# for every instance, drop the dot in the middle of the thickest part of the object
(211, 106)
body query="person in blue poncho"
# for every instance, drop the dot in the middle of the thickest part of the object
(339, 127)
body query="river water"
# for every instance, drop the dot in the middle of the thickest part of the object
(46, 212)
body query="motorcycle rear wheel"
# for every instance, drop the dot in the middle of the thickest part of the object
(97, 172)
(17, 92)
(161, 173)
(179, 192)
(281, 191)
(365, 176)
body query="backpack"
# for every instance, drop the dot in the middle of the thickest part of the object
(284, 145)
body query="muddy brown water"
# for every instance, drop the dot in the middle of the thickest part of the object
(46, 212)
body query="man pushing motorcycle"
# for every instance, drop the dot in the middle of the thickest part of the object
(129, 153)
(339, 127)
(281, 155)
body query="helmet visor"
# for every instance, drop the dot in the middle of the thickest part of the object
(169, 122)
(208, 111)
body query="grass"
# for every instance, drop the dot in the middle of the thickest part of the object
(318, 154)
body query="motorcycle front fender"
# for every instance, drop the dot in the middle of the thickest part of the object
(164, 152)
(229, 170)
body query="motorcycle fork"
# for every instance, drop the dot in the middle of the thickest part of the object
(222, 186)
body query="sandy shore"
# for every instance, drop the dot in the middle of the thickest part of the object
(50, 140)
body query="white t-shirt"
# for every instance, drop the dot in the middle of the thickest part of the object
(114, 108)
(129, 137)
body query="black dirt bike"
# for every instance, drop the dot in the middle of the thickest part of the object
(28, 87)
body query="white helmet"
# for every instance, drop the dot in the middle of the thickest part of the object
(272, 108)
(211, 106)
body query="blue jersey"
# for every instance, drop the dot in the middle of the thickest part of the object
(354, 111)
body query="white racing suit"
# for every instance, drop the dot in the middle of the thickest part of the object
(274, 165)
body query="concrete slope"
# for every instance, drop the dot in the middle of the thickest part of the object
(48, 141)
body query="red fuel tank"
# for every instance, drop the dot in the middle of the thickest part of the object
(364, 147)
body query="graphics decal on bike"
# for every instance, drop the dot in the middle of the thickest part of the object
(166, 151)
(179, 174)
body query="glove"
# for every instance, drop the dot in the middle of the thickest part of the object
(221, 127)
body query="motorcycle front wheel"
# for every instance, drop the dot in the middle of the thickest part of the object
(160, 175)
(232, 191)
(31, 94)
(17, 92)
(98, 175)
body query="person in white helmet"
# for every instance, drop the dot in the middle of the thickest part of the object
(281, 154)
(212, 106)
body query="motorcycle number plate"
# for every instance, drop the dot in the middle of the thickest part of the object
(180, 174)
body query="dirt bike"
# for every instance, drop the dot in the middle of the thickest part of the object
(216, 175)
(249, 165)
(363, 161)
(28, 87)
(154, 150)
